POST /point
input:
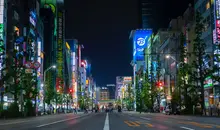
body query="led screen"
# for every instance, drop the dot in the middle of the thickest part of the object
(141, 38)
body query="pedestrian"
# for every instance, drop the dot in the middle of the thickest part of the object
(218, 108)
(75, 110)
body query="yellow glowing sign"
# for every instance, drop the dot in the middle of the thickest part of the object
(42, 55)
(67, 45)
(87, 82)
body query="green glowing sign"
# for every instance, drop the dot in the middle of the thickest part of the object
(1, 38)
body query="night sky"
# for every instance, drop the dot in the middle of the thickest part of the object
(103, 27)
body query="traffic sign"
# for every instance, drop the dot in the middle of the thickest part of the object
(28, 65)
(36, 65)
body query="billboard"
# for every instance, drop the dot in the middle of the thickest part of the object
(60, 41)
(141, 38)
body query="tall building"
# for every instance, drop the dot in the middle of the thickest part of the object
(112, 89)
(211, 19)
(104, 93)
(23, 32)
(48, 16)
(145, 13)
(74, 69)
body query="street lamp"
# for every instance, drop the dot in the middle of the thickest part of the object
(167, 56)
(42, 85)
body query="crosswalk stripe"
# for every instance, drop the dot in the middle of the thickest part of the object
(131, 123)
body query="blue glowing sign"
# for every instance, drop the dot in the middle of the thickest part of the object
(139, 56)
(141, 39)
(33, 15)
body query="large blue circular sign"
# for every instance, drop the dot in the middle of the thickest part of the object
(141, 41)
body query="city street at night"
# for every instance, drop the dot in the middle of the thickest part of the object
(110, 65)
(113, 121)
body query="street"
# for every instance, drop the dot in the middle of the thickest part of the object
(112, 121)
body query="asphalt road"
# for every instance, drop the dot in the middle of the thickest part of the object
(112, 121)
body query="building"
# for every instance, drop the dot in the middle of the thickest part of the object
(73, 43)
(122, 83)
(112, 89)
(48, 16)
(98, 94)
(144, 13)
(104, 93)
(211, 19)
(23, 33)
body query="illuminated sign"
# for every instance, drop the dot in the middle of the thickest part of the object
(39, 48)
(1, 32)
(67, 45)
(214, 36)
(208, 82)
(60, 49)
(2, 11)
(73, 58)
(217, 7)
(127, 79)
(32, 21)
(218, 31)
(141, 38)
(110, 85)
(87, 82)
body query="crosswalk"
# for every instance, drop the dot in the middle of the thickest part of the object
(138, 124)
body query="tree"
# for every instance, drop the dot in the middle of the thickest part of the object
(3, 77)
(130, 97)
(49, 89)
(29, 87)
(138, 94)
(14, 70)
(200, 71)
(146, 94)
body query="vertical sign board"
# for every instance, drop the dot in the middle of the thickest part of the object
(217, 32)
(141, 39)
(1, 32)
(60, 50)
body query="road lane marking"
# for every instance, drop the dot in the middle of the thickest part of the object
(145, 118)
(138, 122)
(149, 125)
(18, 122)
(28, 120)
(186, 128)
(197, 124)
(106, 125)
(55, 122)
(131, 123)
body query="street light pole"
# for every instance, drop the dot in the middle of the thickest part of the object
(51, 67)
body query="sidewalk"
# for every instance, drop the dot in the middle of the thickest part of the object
(183, 117)
(43, 117)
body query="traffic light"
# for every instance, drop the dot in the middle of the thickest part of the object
(159, 84)
(70, 91)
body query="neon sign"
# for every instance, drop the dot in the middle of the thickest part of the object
(60, 50)
(141, 38)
